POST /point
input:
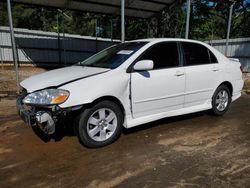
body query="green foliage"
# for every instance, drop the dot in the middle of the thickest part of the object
(208, 21)
(136, 29)
(172, 22)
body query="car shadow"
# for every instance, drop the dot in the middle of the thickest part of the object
(163, 122)
(146, 74)
(66, 129)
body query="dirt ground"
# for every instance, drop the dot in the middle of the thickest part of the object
(8, 79)
(196, 150)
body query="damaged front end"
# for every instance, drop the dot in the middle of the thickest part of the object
(42, 116)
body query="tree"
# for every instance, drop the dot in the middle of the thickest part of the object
(208, 21)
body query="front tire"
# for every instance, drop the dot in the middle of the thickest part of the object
(221, 100)
(100, 125)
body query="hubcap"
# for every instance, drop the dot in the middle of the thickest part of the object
(222, 100)
(102, 124)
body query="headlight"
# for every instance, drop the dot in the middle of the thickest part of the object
(47, 97)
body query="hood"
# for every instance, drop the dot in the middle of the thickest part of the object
(59, 77)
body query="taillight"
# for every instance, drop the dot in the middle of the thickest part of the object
(241, 68)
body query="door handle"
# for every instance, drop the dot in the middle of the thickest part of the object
(215, 69)
(178, 73)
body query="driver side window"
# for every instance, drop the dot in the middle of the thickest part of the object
(164, 55)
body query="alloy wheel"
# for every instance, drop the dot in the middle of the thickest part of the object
(222, 100)
(102, 124)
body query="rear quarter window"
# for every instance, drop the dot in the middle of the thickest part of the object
(212, 57)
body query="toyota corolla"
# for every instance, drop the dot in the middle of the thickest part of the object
(130, 84)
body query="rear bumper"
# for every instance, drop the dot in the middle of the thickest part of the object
(236, 96)
(237, 88)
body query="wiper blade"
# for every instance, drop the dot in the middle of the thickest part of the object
(83, 65)
(98, 66)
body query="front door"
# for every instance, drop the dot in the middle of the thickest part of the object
(161, 89)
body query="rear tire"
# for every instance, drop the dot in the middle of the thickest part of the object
(100, 125)
(221, 100)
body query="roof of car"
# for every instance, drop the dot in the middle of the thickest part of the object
(165, 39)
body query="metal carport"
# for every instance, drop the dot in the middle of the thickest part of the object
(130, 8)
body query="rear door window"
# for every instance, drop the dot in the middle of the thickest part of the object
(195, 54)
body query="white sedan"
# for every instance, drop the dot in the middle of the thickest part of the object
(130, 84)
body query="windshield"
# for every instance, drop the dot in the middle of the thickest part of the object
(114, 56)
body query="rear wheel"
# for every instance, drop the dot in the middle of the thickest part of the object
(221, 100)
(100, 125)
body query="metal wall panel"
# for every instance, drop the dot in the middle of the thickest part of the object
(238, 48)
(38, 47)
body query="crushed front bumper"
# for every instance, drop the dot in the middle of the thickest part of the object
(45, 118)
(27, 115)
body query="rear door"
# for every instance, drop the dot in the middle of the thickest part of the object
(202, 72)
(161, 89)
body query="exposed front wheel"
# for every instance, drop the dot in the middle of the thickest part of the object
(100, 125)
(221, 100)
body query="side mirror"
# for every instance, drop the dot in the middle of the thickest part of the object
(144, 65)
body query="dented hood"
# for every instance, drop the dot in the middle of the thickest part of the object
(59, 77)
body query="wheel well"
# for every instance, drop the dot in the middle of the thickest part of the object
(229, 85)
(113, 99)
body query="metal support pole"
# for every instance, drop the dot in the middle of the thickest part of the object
(58, 39)
(63, 42)
(122, 20)
(13, 44)
(111, 29)
(96, 34)
(229, 27)
(187, 18)
(1, 56)
(148, 28)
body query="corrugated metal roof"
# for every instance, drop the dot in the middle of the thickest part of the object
(134, 8)
(48, 33)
